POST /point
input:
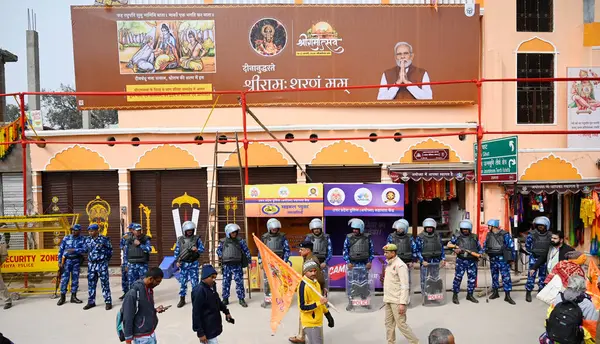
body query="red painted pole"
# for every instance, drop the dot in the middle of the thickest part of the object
(478, 167)
(245, 140)
(24, 148)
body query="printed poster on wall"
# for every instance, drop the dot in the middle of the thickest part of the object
(284, 200)
(364, 200)
(583, 106)
(206, 48)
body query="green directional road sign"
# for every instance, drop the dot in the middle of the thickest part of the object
(499, 159)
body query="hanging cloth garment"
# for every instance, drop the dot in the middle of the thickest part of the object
(452, 191)
(406, 195)
(587, 211)
(566, 217)
(595, 232)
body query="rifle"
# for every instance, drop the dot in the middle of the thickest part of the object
(58, 277)
(474, 254)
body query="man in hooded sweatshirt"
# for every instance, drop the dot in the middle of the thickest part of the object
(139, 313)
(206, 308)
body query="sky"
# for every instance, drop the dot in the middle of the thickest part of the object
(55, 39)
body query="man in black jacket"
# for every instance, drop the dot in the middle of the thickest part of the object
(139, 314)
(558, 252)
(206, 308)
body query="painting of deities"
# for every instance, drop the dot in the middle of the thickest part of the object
(405, 73)
(166, 46)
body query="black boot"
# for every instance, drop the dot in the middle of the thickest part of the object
(74, 298)
(108, 306)
(88, 306)
(62, 300)
(471, 298)
(243, 303)
(455, 299)
(181, 302)
(8, 305)
(528, 296)
(495, 294)
(508, 299)
(350, 306)
(225, 302)
(122, 297)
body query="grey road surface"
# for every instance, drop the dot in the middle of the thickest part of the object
(38, 320)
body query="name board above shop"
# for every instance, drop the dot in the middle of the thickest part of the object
(427, 155)
(207, 48)
(284, 200)
(364, 200)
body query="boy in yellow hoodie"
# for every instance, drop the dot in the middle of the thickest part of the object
(312, 305)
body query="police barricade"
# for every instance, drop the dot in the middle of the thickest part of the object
(433, 284)
(33, 267)
(360, 289)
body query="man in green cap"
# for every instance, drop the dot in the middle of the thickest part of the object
(396, 296)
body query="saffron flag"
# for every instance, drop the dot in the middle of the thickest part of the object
(283, 281)
(592, 283)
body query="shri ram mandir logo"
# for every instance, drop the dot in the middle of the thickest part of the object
(321, 39)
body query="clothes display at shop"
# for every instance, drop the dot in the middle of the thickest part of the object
(589, 214)
(431, 189)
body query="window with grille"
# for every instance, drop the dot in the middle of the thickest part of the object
(535, 100)
(535, 16)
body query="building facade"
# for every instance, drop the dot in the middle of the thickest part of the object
(141, 182)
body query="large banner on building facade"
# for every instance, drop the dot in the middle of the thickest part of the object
(583, 103)
(275, 47)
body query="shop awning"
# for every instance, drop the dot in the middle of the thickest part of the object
(400, 173)
(559, 186)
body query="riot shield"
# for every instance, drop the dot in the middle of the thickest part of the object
(433, 284)
(360, 289)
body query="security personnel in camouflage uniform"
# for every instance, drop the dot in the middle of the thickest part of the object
(500, 248)
(358, 252)
(100, 252)
(538, 245)
(235, 256)
(278, 243)
(404, 242)
(72, 249)
(122, 246)
(137, 254)
(321, 247)
(430, 249)
(187, 252)
(467, 242)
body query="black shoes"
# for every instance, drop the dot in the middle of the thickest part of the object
(243, 303)
(495, 294)
(508, 299)
(74, 298)
(455, 299)
(471, 298)
(88, 306)
(181, 302)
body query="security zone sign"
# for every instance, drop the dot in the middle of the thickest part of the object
(499, 159)
(30, 261)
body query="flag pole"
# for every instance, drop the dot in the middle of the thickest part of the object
(295, 272)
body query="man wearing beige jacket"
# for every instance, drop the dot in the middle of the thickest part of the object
(396, 296)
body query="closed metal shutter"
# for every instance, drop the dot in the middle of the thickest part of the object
(74, 191)
(145, 190)
(12, 204)
(344, 174)
(56, 184)
(173, 184)
(86, 186)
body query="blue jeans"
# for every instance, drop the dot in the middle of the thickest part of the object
(151, 339)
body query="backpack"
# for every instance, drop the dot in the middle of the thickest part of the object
(564, 323)
(120, 331)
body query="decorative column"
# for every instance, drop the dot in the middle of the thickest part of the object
(125, 195)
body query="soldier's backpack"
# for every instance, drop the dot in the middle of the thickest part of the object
(564, 323)
(120, 331)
